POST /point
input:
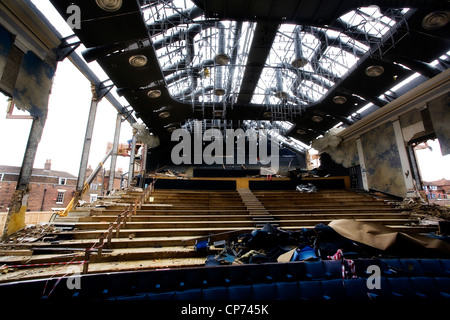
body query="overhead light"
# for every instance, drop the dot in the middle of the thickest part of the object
(218, 113)
(299, 62)
(138, 60)
(339, 99)
(153, 94)
(374, 71)
(301, 131)
(436, 20)
(317, 118)
(164, 114)
(109, 5)
(267, 114)
(219, 92)
(221, 59)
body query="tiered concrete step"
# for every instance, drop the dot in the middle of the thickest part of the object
(256, 210)
(163, 231)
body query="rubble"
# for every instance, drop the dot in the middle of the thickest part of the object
(306, 188)
(31, 233)
(432, 211)
(271, 244)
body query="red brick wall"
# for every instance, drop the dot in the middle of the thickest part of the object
(6, 191)
(38, 198)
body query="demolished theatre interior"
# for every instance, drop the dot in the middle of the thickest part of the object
(362, 82)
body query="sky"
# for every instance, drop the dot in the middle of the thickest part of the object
(69, 104)
(65, 128)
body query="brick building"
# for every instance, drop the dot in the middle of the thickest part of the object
(52, 189)
(49, 188)
(439, 189)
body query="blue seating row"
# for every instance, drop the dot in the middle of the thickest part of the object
(272, 275)
(421, 288)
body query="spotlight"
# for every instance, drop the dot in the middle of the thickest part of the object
(300, 131)
(374, 71)
(153, 94)
(109, 5)
(219, 92)
(436, 20)
(164, 114)
(317, 118)
(339, 99)
(221, 59)
(138, 61)
(267, 114)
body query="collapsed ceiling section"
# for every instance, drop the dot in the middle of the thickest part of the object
(301, 67)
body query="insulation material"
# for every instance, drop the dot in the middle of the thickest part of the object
(342, 152)
(383, 165)
(144, 136)
(384, 238)
(440, 117)
(33, 85)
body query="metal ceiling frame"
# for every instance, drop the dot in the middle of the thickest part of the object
(182, 81)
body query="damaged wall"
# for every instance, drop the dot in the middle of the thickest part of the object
(342, 152)
(424, 115)
(439, 109)
(382, 159)
(24, 76)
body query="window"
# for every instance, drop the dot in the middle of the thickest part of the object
(62, 181)
(93, 197)
(60, 196)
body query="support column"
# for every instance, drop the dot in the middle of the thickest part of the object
(114, 153)
(15, 219)
(132, 155)
(143, 165)
(362, 164)
(87, 141)
(407, 172)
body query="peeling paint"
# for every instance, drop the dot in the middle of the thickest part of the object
(383, 165)
(33, 85)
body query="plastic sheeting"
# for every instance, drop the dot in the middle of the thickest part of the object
(389, 240)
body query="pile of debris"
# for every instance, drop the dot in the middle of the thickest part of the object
(426, 210)
(31, 233)
(351, 238)
(306, 188)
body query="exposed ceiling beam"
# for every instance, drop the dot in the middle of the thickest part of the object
(262, 42)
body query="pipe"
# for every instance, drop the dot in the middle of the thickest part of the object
(189, 36)
(220, 60)
(300, 60)
(174, 20)
(195, 70)
(280, 92)
(234, 54)
(191, 32)
(43, 200)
